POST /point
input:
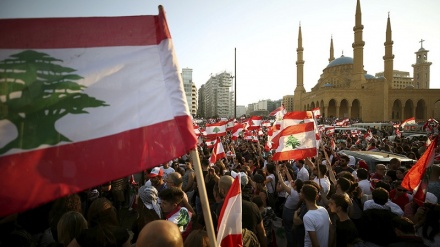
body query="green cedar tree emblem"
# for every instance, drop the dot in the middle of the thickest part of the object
(292, 141)
(216, 130)
(36, 91)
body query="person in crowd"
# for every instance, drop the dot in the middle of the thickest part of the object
(405, 234)
(167, 169)
(399, 195)
(434, 181)
(290, 205)
(342, 165)
(321, 178)
(268, 215)
(59, 208)
(148, 209)
(156, 178)
(271, 184)
(303, 173)
(174, 179)
(260, 188)
(392, 168)
(316, 220)
(170, 199)
(377, 220)
(346, 231)
(70, 225)
(104, 229)
(160, 233)
(197, 238)
(364, 184)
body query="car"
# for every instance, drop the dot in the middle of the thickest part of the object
(372, 158)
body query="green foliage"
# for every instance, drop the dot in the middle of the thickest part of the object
(37, 92)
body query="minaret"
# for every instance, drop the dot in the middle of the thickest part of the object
(358, 50)
(421, 68)
(332, 53)
(389, 57)
(299, 90)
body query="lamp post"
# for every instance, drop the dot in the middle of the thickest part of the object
(235, 82)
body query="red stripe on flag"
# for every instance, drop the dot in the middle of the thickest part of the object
(295, 154)
(232, 240)
(39, 176)
(83, 32)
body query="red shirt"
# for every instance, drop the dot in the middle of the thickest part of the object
(401, 200)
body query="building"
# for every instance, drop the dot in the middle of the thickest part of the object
(401, 79)
(241, 110)
(288, 102)
(190, 90)
(346, 90)
(218, 101)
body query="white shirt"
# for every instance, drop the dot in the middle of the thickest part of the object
(303, 174)
(389, 206)
(365, 186)
(167, 171)
(317, 221)
(271, 186)
(325, 183)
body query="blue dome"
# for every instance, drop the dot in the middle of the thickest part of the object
(368, 76)
(328, 85)
(340, 61)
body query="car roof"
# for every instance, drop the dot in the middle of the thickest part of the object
(381, 157)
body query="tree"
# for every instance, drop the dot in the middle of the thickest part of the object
(35, 92)
(292, 141)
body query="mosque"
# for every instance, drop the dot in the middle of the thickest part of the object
(346, 90)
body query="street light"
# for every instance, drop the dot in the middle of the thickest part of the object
(235, 82)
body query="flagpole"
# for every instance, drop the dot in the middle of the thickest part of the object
(203, 197)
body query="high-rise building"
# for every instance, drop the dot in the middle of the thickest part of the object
(217, 97)
(190, 90)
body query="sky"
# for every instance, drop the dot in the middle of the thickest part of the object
(265, 35)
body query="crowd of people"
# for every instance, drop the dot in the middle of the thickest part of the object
(346, 205)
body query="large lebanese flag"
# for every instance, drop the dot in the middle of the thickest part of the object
(295, 142)
(229, 221)
(216, 129)
(218, 152)
(89, 100)
(416, 179)
(254, 122)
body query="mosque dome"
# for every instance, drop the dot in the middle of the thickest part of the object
(340, 61)
(368, 76)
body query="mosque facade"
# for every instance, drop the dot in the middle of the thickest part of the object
(346, 90)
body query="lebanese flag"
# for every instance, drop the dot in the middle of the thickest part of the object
(218, 152)
(280, 109)
(369, 135)
(266, 124)
(316, 112)
(216, 129)
(90, 100)
(398, 133)
(229, 221)
(230, 124)
(196, 130)
(210, 142)
(254, 122)
(329, 131)
(237, 131)
(295, 142)
(343, 122)
(296, 117)
(416, 179)
(408, 121)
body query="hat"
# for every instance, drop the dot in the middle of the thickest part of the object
(258, 178)
(149, 196)
(157, 171)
